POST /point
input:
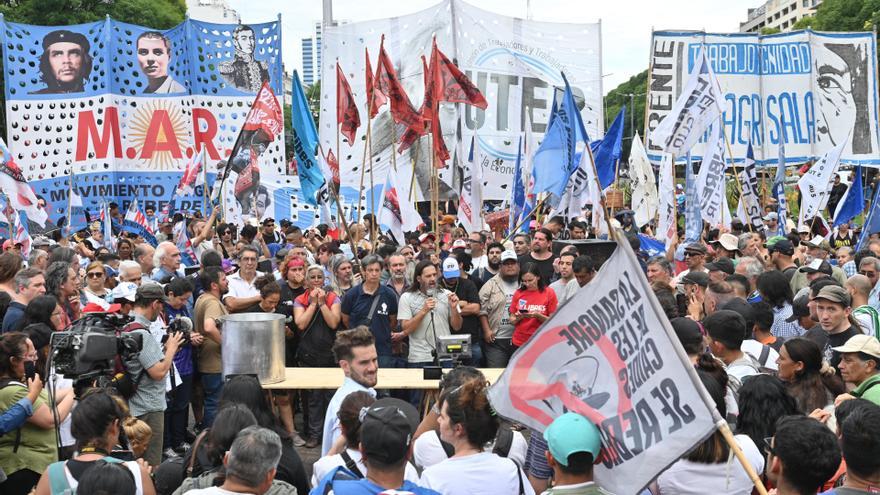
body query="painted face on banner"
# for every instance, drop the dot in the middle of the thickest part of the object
(153, 57)
(245, 41)
(836, 114)
(66, 61)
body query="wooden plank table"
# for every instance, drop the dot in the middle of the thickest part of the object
(389, 378)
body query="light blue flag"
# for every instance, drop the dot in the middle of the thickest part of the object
(305, 144)
(872, 222)
(693, 219)
(518, 196)
(779, 190)
(651, 246)
(607, 153)
(854, 203)
(554, 161)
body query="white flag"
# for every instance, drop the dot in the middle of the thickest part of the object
(667, 225)
(75, 199)
(749, 207)
(531, 146)
(471, 203)
(644, 188)
(398, 213)
(697, 107)
(611, 355)
(593, 195)
(577, 192)
(710, 179)
(816, 183)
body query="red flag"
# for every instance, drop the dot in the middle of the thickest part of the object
(431, 110)
(375, 98)
(265, 114)
(347, 114)
(263, 123)
(450, 84)
(386, 82)
(413, 133)
(333, 163)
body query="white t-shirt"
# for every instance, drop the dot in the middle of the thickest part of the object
(214, 490)
(754, 348)
(241, 288)
(479, 474)
(725, 478)
(325, 464)
(428, 451)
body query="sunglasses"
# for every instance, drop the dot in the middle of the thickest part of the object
(95, 274)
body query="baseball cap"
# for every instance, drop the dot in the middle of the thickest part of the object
(570, 434)
(817, 266)
(799, 308)
(447, 220)
(723, 264)
(818, 242)
(124, 290)
(728, 241)
(509, 255)
(41, 240)
(696, 247)
(150, 291)
(698, 278)
(387, 429)
(835, 293)
(861, 343)
(771, 216)
(687, 331)
(281, 254)
(459, 244)
(426, 236)
(780, 244)
(450, 268)
(803, 229)
(267, 221)
(97, 308)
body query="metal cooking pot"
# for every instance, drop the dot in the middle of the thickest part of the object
(253, 344)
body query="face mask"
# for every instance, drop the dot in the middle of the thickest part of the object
(30, 370)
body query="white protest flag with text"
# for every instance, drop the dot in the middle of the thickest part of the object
(816, 184)
(667, 226)
(697, 107)
(749, 207)
(644, 187)
(470, 205)
(710, 179)
(611, 355)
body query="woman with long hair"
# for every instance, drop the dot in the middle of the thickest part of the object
(532, 304)
(317, 314)
(270, 295)
(246, 390)
(812, 382)
(25, 454)
(469, 424)
(762, 400)
(711, 466)
(124, 249)
(226, 235)
(96, 425)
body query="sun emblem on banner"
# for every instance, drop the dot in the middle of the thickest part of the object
(154, 135)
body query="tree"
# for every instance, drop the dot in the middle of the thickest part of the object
(847, 15)
(156, 14)
(620, 96)
(313, 96)
(770, 30)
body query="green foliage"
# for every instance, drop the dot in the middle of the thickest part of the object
(313, 96)
(807, 22)
(770, 30)
(847, 15)
(157, 14)
(618, 97)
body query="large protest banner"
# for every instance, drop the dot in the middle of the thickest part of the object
(124, 108)
(515, 63)
(611, 355)
(809, 89)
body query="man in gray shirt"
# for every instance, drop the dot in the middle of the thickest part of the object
(150, 367)
(495, 298)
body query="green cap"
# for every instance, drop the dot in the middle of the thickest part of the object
(572, 433)
(773, 240)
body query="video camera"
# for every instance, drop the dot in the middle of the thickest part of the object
(182, 324)
(90, 347)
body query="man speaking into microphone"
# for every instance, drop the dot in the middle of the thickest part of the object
(427, 312)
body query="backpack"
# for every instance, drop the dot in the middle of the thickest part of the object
(124, 382)
(761, 360)
(58, 482)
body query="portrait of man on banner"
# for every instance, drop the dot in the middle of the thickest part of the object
(65, 64)
(244, 72)
(154, 55)
(842, 96)
(245, 163)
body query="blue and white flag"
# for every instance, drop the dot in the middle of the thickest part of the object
(607, 153)
(693, 219)
(651, 246)
(109, 240)
(136, 222)
(779, 191)
(697, 107)
(709, 185)
(853, 203)
(815, 184)
(555, 160)
(518, 192)
(872, 222)
(21, 234)
(305, 144)
(184, 245)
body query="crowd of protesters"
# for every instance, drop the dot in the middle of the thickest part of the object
(783, 332)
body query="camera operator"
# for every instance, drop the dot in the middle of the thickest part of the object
(148, 402)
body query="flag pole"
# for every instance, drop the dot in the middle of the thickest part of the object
(205, 185)
(372, 186)
(599, 188)
(735, 174)
(331, 187)
(363, 162)
(525, 218)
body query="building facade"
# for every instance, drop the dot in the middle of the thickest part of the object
(779, 14)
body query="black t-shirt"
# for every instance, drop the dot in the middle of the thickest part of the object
(285, 307)
(480, 276)
(544, 266)
(836, 340)
(467, 291)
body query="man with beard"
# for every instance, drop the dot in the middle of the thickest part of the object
(541, 254)
(355, 351)
(495, 298)
(566, 274)
(482, 274)
(65, 64)
(208, 310)
(243, 72)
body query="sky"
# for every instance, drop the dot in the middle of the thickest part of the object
(626, 24)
